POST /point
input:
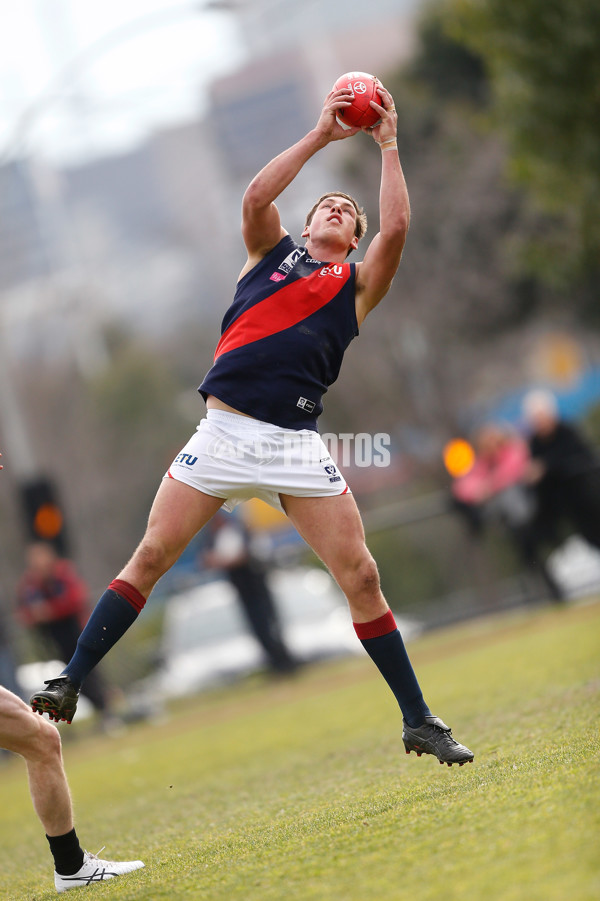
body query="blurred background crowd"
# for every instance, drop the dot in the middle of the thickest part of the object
(127, 138)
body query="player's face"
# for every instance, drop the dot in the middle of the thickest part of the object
(334, 220)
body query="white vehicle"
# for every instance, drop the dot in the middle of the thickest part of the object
(207, 642)
(576, 567)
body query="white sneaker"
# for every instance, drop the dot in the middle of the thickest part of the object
(95, 870)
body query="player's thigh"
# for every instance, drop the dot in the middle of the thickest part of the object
(20, 727)
(332, 526)
(179, 512)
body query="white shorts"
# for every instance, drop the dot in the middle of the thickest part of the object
(237, 458)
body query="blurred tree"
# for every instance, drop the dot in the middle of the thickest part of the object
(542, 60)
(135, 406)
(106, 442)
(453, 329)
(449, 68)
(134, 390)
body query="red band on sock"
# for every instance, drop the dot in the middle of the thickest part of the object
(128, 592)
(383, 625)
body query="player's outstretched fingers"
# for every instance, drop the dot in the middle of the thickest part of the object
(387, 101)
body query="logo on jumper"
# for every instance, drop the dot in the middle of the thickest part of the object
(277, 277)
(359, 87)
(185, 459)
(335, 271)
(330, 470)
(305, 404)
(291, 260)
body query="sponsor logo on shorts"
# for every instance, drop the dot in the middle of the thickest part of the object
(306, 404)
(185, 460)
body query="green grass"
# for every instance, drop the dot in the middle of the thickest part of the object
(301, 790)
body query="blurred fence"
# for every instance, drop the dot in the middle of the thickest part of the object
(434, 569)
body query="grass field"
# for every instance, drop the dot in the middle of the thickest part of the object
(301, 789)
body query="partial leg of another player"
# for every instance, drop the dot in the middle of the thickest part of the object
(177, 514)
(38, 741)
(333, 528)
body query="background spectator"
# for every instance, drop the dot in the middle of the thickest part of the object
(497, 488)
(564, 470)
(52, 601)
(230, 548)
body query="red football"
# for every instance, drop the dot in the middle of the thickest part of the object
(360, 113)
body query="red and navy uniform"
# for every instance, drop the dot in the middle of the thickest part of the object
(284, 336)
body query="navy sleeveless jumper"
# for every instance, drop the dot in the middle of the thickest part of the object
(284, 336)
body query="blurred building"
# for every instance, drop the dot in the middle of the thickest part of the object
(336, 36)
(151, 236)
(23, 251)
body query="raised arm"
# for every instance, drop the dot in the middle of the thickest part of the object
(383, 255)
(261, 225)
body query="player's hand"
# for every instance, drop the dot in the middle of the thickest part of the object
(386, 129)
(328, 125)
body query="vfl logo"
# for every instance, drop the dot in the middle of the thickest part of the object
(305, 404)
(359, 87)
(335, 271)
(288, 264)
(291, 260)
(186, 459)
(331, 472)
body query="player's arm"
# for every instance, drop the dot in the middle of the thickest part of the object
(375, 273)
(261, 225)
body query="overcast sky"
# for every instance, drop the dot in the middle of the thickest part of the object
(136, 79)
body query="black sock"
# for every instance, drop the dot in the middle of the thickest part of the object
(67, 853)
(383, 643)
(114, 613)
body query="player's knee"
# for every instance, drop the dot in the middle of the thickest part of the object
(38, 740)
(368, 577)
(360, 578)
(153, 556)
(50, 740)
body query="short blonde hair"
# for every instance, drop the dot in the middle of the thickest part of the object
(360, 229)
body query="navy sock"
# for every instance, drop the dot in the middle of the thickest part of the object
(114, 613)
(383, 643)
(67, 853)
